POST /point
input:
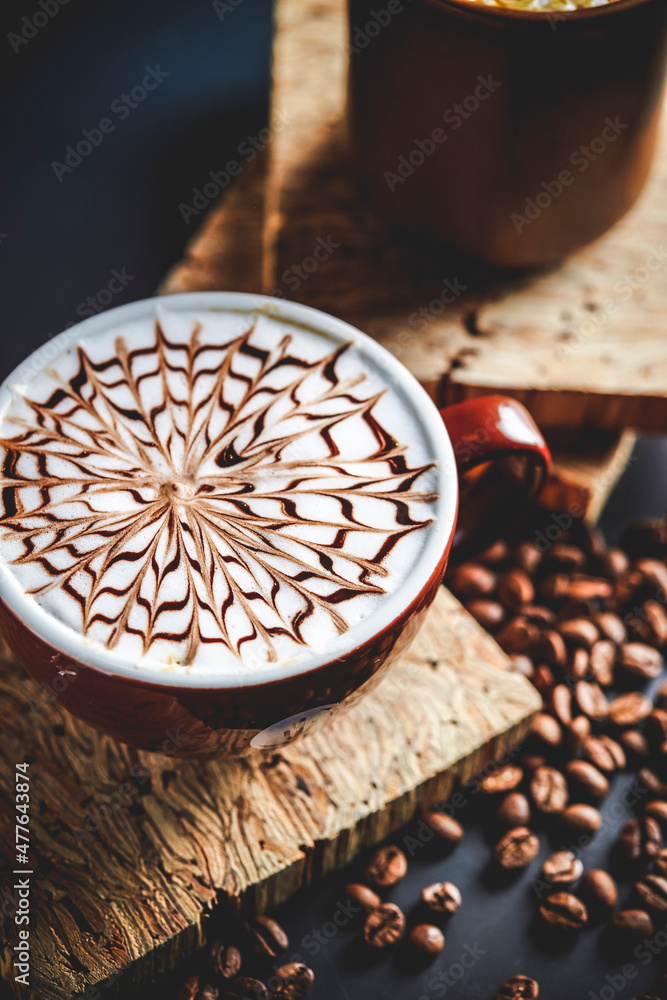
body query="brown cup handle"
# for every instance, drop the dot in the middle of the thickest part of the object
(502, 462)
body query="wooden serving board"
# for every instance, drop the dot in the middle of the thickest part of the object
(297, 198)
(131, 850)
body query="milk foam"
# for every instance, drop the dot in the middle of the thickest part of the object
(207, 491)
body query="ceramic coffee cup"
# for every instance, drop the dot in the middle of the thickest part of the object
(513, 136)
(149, 554)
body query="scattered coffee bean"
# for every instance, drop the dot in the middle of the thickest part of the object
(562, 868)
(640, 660)
(504, 779)
(604, 753)
(514, 589)
(633, 925)
(442, 897)
(629, 709)
(650, 781)
(543, 679)
(599, 890)
(497, 552)
(539, 614)
(444, 827)
(560, 704)
(591, 700)
(384, 926)
(577, 732)
(640, 839)
(427, 938)
(652, 891)
(579, 632)
(588, 588)
(564, 912)
(244, 987)
(295, 981)
(656, 725)
(516, 849)
(514, 810)
(387, 866)
(266, 937)
(654, 573)
(651, 623)
(548, 788)
(635, 744)
(472, 580)
(577, 664)
(569, 557)
(546, 730)
(519, 988)
(551, 648)
(587, 779)
(657, 809)
(361, 894)
(490, 614)
(527, 557)
(523, 664)
(581, 818)
(661, 695)
(611, 627)
(517, 635)
(602, 660)
(224, 960)
(660, 862)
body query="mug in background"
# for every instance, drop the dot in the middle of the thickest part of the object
(512, 136)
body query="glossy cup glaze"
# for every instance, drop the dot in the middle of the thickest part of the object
(191, 716)
(530, 169)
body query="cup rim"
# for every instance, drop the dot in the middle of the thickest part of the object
(479, 10)
(71, 643)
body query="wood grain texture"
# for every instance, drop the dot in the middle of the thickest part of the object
(132, 850)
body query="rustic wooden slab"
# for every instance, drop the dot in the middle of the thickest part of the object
(131, 850)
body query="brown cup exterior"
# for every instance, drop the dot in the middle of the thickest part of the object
(547, 85)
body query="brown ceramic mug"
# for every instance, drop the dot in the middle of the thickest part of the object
(198, 492)
(513, 136)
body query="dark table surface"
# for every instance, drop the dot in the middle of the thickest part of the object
(62, 236)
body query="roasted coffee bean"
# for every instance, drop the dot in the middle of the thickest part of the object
(555, 587)
(190, 989)
(562, 868)
(470, 579)
(531, 761)
(519, 988)
(602, 659)
(625, 590)
(546, 730)
(444, 827)
(361, 894)
(568, 557)
(652, 890)
(581, 818)
(633, 924)
(616, 563)
(586, 779)
(387, 866)
(652, 623)
(661, 696)
(516, 848)
(635, 744)
(640, 839)
(442, 897)
(564, 912)
(579, 631)
(490, 614)
(576, 609)
(523, 664)
(640, 660)
(543, 679)
(514, 589)
(577, 664)
(295, 980)
(514, 810)
(427, 938)
(649, 780)
(656, 725)
(578, 731)
(246, 988)
(606, 754)
(497, 552)
(654, 573)
(588, 588)
(224, 960)
(591, 700)
(517, 635)
(266, 937)
(599, 890)
(629, 709)
(551, 648)
(539, 614)
(527, 557)
(384, 926)
(504, 779)
(548, 788)
(660, 862)
(560, 704)
(657, 809)
(611, 627)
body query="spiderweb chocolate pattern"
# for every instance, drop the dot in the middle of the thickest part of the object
(195, 493)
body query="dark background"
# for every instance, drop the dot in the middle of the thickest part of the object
(118, 210)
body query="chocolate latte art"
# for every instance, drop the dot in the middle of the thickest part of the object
(213, 490)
